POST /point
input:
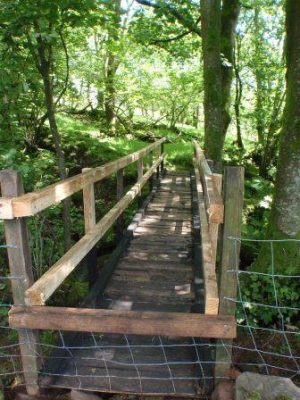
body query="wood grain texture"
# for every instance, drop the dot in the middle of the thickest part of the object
(124, 322)
(31, 203)
(234, 196)
(20, 265)
(209, 268)
(211, 188)
(43, 288)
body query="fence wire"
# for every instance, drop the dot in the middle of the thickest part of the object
(268, 341)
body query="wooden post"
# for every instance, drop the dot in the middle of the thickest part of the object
(20, 265)
(120, 193)
(213, 227)
(233, 201)
(162, 149)
(140, 172)
(150, 165)
(158, 167)
(89, 223)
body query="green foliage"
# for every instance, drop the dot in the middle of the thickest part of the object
(260, 290)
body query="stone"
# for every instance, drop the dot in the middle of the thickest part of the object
(265, 387)
(223, 391)
(80, 395)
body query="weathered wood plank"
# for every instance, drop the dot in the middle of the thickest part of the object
(43, 288)
(234, 197)
(124, 322)
(32, 203)
(210, 279)
(120, 193)
(213, 199)
(20, 265)
(89, 213)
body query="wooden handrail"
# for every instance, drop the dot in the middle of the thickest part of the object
(44, 287)
(123, 322)
(211, 297)
(213, 199)
(32, 203)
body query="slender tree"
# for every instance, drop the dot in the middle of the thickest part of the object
(285, 215)
(218, 27)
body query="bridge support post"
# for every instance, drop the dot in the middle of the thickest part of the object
(89, 222)
(233, 202)
(20, 265)
(120, 192)
(150, 165)
(140, 173)
(162, 149)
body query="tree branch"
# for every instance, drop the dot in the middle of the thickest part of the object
(189, 24)
(172, 38)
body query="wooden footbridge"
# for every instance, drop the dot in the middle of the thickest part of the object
(163, 294)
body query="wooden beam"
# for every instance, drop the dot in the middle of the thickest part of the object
(199, 155)
(32, 203)
(123, 322)
(213, 199)
(6, 210)
(43, 288)
(210, 183)
(89, 212)
(209, 268)
(234, 196)
(20, 265)
(120, 193)
(214, 227)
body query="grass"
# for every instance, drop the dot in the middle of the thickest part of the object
(84, 136)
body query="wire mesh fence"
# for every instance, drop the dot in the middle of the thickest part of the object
(268, 341)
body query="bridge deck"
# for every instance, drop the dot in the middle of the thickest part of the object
(155, 273)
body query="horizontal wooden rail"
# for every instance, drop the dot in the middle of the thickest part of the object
(211, 298)
(123, 322)
(44, 287)
(213, 199)
(31, 203)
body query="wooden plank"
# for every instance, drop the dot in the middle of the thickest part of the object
(43, 288)
(210, 278)
(214, 227)
(213, 199)
(120, 193)
(124, 322)
(150, 165)
(234, 196)
(89, 213)
(6, 210)
(167, 266)
(199, 155)
(89, 205)
(20, 265)
(108, 268)
(31, 203)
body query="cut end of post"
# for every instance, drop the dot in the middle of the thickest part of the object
(34, 298)
(212, 306)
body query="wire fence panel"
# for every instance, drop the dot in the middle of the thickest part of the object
(268, 342)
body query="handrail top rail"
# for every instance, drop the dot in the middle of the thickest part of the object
(32, 203)
(202, 159)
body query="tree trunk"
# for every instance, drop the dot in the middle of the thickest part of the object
(238, 96)
(48, 90)
(110, 92)
(218, 38)
(112, 65)
(211, 31)
(285, 215)
(259, 95)
(229, 19)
